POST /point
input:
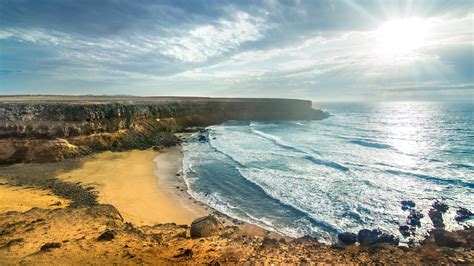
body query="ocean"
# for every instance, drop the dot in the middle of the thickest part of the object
(345, 173)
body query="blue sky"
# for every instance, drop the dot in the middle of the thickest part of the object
(319, 50)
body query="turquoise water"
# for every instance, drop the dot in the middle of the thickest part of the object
(344, 173)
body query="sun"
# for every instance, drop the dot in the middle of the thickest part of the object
(401, 38)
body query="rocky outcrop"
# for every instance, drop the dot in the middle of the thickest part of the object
(347, 238)
(460, 238)
(370, 237)
(205, 227)
(436, 214)
(45, 129)
(463, 214)
(69, 236)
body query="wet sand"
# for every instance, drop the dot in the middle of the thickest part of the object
(140, 184)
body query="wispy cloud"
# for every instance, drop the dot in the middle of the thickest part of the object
(203, 42)
(311, 49)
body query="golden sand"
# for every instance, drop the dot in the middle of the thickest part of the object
(143, 193)
(22, 199)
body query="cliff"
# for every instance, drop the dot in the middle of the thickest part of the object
(51, 128)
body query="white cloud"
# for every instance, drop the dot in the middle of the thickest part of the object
(208, 41)
(217, 54)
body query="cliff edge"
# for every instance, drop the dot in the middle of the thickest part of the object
(52, 128)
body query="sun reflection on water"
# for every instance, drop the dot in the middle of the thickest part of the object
(404, 127)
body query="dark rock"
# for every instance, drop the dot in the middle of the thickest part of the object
(156, 237)
(49, 246)
(440, 206)
(57, 203)
(370, 237)
(269, 242)
(437, 218)
(181, 235)
(128, 227)
(205, 227)
(444, 238)
(407, 204)
(202, 138)
(187, 253)
(404, 230)
(306, 239)
(414, 218)
(13, 242)
(463, 214)
(347, 238)
(106, 236)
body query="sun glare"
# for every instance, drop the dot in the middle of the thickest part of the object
(400, 38)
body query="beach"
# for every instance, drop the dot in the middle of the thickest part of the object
(140, 212)
(142, 192)
(22, 199)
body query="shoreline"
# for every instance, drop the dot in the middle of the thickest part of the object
(141, 233)
(139, 184)
(146, 187)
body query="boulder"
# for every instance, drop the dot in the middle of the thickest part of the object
(370, 237)
(463, 214)
(202, 138)
(444, 238)
(436, 213)
(205, 227)
(407, 204)
(347, 238)
(414, 218)
(404, 230)
(437, 218)
(187, 253)
(269, 242)
(440, 206)
(49, 246)
(106, 236)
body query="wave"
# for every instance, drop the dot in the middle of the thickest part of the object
(230, 157)
(219, 203)
(370, 144)
(327, 163)
(462, 165)
(433, 179)
(277, 141)
(322, 224)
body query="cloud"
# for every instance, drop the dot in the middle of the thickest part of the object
(207, 41)
(309, 49)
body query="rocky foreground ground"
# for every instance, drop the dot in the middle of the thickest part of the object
(47, 129)
(97, 234)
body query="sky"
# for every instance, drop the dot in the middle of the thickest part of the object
(319, 50)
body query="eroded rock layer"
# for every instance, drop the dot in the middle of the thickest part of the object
(42, 129)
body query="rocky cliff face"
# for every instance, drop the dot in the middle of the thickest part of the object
(43, 129)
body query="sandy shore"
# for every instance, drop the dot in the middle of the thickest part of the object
(142, 184)
(23, 199)
(143, 193)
